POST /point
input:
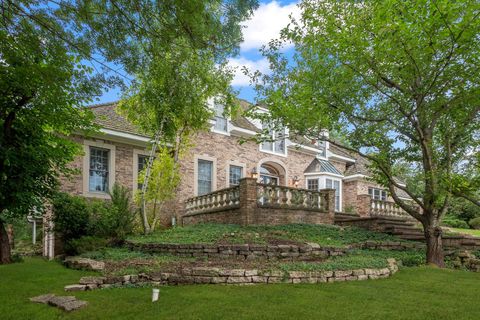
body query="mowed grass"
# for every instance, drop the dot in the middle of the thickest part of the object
(413, 293)
(327, 235)
(472, 232)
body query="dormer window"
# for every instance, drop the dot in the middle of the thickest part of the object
(221, 122)
(322, 146)
(276, 144)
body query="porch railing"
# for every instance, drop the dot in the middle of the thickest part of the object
(293, 198)
(386, 208)
(219, 200)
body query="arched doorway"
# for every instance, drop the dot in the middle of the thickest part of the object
(272, 173)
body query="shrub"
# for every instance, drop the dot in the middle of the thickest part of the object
(122, 215)
(475, 223)
(454, 222)
(85, 244)
(71, 216)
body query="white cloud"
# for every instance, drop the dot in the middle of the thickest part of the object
(266, 23)
(237, 64)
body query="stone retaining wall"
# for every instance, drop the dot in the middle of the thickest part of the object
(208, 275)
(391, 245)
(240, 251)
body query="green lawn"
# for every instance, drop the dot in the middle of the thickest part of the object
(416, 293)
(327, 235)
(472, 232)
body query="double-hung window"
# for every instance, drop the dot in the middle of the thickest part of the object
(334, 184)
(221, 122)
(205, 177)
(235, 174)
(312, 184)
(275, 143)
(377, 194)
(98, 170)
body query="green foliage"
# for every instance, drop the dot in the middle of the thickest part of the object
(71, 216)
(213, 233)
(122, 215)
(463, 209)
(84, 244)
(43, 81)
(452, 221)
(475, 223)
(349, 262)
(164, 177)
(390, 75)
(453, 295)
(75, 217)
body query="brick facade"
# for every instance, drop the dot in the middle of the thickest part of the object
(223, 150)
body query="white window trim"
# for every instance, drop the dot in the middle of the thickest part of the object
(381, 191)
(211, 102)
(86, 168)
(195, 172)
(322, 184)
(136, 153)
(237, 164)
(285, 145)
(340, 200)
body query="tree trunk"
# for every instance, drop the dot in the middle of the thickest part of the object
(433, 237)
(5, 255)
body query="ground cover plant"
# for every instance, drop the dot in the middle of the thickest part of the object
(446, 294)
(327, 235)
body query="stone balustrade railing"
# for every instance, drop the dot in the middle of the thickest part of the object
(386, 208)
(219, 200)
(254, 203)
(293, 198)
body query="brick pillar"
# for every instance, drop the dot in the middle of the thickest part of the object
(363, 205)
(248, 199)
(329, 195)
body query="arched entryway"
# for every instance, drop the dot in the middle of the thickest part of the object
(272, 172)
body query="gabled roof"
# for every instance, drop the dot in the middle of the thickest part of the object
(321, 166)
(107, 117)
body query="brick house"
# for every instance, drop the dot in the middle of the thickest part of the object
(217, 161)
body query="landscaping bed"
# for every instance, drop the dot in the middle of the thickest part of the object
(325, 235)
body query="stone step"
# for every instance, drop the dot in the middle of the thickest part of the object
(396, 223)
(412, 237)
(403, 229)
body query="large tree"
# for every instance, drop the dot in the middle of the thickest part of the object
(177, 52)
(400, 78)
(42, 81)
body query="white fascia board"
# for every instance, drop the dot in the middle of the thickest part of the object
(298, 146)
(242, 131)
(323, 174)
(125, 137)
(356, 177)
(339, 157)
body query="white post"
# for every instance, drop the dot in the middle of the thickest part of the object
(34, 231)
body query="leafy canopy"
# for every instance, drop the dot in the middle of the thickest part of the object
(43, 80)
(400, 78)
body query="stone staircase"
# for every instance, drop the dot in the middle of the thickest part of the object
(403, 228)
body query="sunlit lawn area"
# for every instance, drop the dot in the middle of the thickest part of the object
(413, 293)
(472, 232)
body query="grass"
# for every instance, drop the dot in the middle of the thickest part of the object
(412, 293)
(472, 232)
(327, 235)
(121, 261)
(359, 259)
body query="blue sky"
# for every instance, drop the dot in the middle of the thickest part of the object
(266, 23)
